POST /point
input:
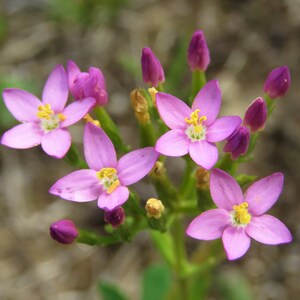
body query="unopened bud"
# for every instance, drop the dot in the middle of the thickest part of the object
(115, 217)
(154, 208)
(140, 106)
(152, 70)
(278, 82)
(63, 231)
(256, 115)
(87, 84)
(198, 52)
(238, 142)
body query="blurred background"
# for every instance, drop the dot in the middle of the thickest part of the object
(246, 39)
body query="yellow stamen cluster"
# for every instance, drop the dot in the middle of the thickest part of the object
(88, 119)
(241, 215)
(106, 173)
(109, 179)
(154, 208)
(45, 112)
(196, 121)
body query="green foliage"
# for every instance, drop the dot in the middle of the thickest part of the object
(156, 282)
(233, 286)
(109, 291)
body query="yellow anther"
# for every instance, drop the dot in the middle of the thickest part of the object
(113, 186)
(61, 117)
(106, 173)
(241, 215)
(45, 112)
(87, 118)
(152, 91)
(154, 208)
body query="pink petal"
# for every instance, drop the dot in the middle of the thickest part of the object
(173, 143)
(79, 186)
(269, 230)
(204, 154)
(209, 225)
(22, 136)
(262, 194)
(56, 89)
(135, 165)
(57, 142)
(21, 104)
(208, 100)
(98, 149)
(224, 190)
(236, 242)
(222, 128)
(72, 72)
(76, 111)
(172, 110)
(113, 200)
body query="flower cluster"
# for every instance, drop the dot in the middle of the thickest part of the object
(195, 128)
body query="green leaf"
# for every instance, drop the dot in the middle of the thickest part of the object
(245, 179)
(156, 282)
(109, 291)
(233, 285)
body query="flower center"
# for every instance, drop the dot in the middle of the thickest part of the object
(240, 214)
(109, 179)
(49, 120)
(195, 130)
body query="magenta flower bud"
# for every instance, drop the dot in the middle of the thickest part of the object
(278, 82)
(238, 142)
(256, 115)
(198, 52)
(63, 231)
(115, 217)
(87, 84)
(152, 70)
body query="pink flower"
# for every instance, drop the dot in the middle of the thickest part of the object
(107, 179)
(87, 84)
(239, 218)
(44, 122)
(194, 130)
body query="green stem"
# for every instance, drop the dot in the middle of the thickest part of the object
(227, 164)
(189, 179)
(181, 261)
(74, 159)
(110, 128)
(198, 81)
(270, 104)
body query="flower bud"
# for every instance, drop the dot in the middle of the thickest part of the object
(278, 82)
(238, 142)
(152, 70)
(115, 217)
(256, 115)
(154, 208)
(63, 231)
(198, 52)
(87, 84)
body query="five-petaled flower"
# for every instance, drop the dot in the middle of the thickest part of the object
(107, 179)
(194, 130)
(239, 218)
(44, 122)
